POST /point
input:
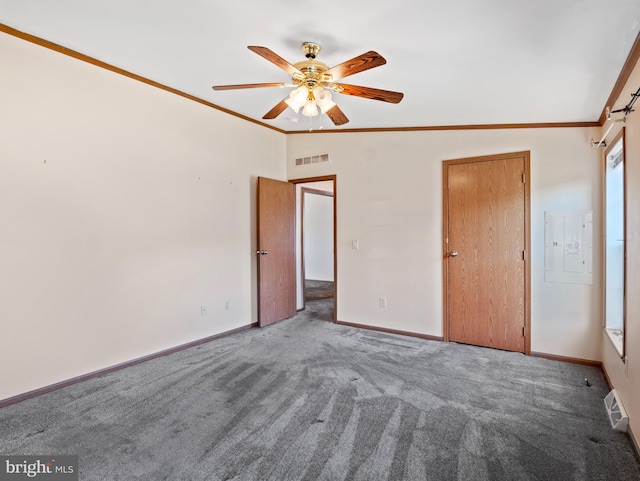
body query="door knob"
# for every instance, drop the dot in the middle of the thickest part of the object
(262, 252)
(453, 254)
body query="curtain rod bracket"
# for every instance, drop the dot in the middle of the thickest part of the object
(627, 109)
(601, 144)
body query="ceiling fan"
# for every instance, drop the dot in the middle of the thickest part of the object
(314, 82)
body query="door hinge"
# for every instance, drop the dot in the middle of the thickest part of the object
(524, 331)
(524, 178)
(524, 255)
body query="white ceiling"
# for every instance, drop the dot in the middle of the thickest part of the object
(458, 62)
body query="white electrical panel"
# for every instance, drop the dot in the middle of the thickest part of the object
(568, 247)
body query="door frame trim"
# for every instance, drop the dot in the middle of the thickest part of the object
(332, 178)
(526, 156)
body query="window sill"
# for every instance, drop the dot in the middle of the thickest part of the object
(615, 336)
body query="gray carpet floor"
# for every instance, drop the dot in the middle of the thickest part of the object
(306, 399)
(315, 290)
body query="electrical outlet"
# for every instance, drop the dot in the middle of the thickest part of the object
(226, 305)
(203, 310)
(382, 302)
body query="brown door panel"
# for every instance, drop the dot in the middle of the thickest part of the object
(486, 232)
(276, 251)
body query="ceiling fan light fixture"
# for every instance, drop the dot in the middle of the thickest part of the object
(298, 98)
(310, 109)
(292, 105)
(322, 95)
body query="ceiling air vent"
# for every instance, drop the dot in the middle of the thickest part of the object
(313, 159)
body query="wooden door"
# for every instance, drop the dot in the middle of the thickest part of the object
(486, 242)
(276, 251)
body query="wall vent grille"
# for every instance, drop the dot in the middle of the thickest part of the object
(617, 414)
(312, 159)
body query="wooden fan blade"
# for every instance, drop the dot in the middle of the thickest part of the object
(337, 116)
(275, 59)
(357, 64)
(277, 110)
(249, 86)
(370, 93)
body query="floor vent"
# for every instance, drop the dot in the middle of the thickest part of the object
(313, 159)
(615, 410)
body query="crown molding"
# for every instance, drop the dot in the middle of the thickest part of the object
(627, 68)
(540, 125)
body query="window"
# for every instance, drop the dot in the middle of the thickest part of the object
(614, 226)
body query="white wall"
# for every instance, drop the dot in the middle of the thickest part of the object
(318, 237)
(625, 377)
(390, 199)
(143, 211)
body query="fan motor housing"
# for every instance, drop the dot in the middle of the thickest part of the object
(313, 71)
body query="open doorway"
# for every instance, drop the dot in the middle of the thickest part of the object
(315, 240)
